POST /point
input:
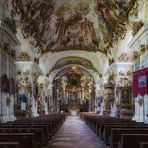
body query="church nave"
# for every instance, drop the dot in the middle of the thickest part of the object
(73, 73)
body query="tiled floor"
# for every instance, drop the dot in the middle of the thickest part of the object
(75, 134)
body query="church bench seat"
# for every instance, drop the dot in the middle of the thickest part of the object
(53, 121)
(108, 128)
(51, 127)
(41, 128)
(117, 132)
(39, 137)
(94, 121)
(143, 145)
(10, 145)
(30, 126)
(115, 121)
(103, 126)
(132, 140)
(26, 140)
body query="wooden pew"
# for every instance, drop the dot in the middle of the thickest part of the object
(143, 145)
(54, 121)
(115, 121)
(104, 127)
(26, 140)
(96, 122)
(132, 140)
(107, 129)
(117, 132)
(38, 135)
(29, 126)
(10, 145)
(41, 129)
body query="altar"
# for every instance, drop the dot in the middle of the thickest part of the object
(73, 112)
(73, 109)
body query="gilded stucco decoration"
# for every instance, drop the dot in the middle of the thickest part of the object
(74, 60)
(124, 57)
(142, 50)
(23, 56)
(108, 96)
(125, 79)
(136, 27)
(89, 25)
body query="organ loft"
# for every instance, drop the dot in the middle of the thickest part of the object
(73, 74)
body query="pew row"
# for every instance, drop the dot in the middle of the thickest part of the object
(34, 132)
(114, 131)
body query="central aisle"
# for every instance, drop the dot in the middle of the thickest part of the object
(75, 134)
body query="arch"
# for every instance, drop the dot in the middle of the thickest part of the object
(74, 60)
(58, 73)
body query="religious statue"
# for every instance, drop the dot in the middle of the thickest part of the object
(8, 102)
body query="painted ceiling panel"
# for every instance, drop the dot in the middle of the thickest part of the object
(59, 25)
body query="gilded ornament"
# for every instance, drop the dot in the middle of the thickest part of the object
(143, 49)
(137, 26)
(140, 101)
(124, 57)
(23, 56)
(136, 55)
(111, 77)
(8, 102)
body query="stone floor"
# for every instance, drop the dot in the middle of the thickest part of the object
(75, 134)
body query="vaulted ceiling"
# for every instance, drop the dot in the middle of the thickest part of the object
(60, 25)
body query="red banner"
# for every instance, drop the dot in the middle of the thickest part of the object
(140, 82)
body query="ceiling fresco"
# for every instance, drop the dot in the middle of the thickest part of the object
(59, 25)
(74, 60)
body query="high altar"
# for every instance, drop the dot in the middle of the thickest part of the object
(74, 109)
(74, 95)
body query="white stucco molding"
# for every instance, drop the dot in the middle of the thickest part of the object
(30, 66)
(7, 33)
(141, 38)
